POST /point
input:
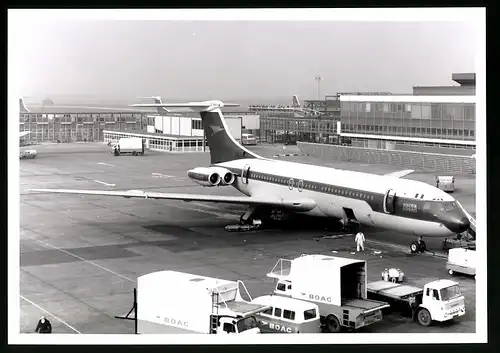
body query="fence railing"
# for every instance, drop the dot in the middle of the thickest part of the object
(444, 163)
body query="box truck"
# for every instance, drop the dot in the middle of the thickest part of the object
(337, 285)
(129, 145)
(439, 300)
(177, 302)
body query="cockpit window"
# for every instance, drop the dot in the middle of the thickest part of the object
(447, 206)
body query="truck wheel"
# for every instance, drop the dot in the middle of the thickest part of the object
(450, 272)
(134, 153)
(424, 317)
(332, 324)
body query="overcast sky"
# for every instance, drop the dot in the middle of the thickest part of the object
(236, 60)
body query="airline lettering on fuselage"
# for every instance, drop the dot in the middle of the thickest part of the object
(320, 298)
(410, 207)
(281, 328)
(175, 322)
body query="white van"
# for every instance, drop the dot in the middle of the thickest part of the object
(446, 183)
(248, 139)
(287, 315)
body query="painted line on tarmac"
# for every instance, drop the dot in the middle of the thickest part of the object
(84, 260)
(103, 183)
(50, 314)
(109, 165)
(160, 175)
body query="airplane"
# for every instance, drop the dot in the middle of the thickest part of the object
(296, 105)
(380, 201)
(56, 108)
(296, 108)
(160, 109)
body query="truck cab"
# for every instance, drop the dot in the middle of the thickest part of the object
(287, 315)
(441, 301)
(246, 325)
(283, 287)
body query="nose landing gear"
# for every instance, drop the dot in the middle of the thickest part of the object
(418, 246)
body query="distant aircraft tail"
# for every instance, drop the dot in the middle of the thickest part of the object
(223, 147)
(295, 101)
(161, 110)
(22, 107)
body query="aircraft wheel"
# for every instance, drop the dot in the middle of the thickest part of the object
(332, 324)
(414, 247)
(450, 272)
(424, 317)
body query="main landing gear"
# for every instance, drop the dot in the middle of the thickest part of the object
(418, 246)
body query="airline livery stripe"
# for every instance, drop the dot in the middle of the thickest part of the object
(374, 200)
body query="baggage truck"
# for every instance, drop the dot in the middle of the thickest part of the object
(461, 261)
(287, 315)
(439, 300)
(337, 285)
(177, 302)
(129, 145)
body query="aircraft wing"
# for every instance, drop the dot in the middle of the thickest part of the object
(298, 205)
(400, 173)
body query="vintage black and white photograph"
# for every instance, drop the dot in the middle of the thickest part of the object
(248, 176)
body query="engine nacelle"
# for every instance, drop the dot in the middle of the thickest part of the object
(204, 176)
(227, 177)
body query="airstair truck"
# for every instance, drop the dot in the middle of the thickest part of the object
(177, 302)
(337, 285)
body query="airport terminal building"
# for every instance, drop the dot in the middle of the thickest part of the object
(430, 121)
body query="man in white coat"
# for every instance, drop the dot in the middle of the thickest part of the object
(360, 239)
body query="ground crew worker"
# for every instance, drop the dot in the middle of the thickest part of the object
(359, 239)
(43, 326)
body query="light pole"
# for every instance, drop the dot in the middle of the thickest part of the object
(318, 79)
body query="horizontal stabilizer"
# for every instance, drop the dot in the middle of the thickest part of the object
(297, 205)
(400, 173)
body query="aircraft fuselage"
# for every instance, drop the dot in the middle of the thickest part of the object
(403, 205)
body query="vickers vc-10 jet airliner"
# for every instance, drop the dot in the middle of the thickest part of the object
(384, 201)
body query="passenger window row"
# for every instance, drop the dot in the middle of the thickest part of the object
(310, 186)
(287, 314)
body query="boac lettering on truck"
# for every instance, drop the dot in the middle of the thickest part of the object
(278, 327)
(174, 322)
(316, 297)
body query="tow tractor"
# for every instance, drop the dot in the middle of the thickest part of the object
(256, 223)
(439, 300)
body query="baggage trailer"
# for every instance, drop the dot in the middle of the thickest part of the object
(177, 302)
(337, 285)
(439, 300)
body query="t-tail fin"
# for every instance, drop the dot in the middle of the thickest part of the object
(22, 107)
(295, 101)
(223, 146)
(161, 110)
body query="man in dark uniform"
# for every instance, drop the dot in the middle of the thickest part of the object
(43, 326)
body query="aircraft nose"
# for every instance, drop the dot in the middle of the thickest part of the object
(460, 225)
